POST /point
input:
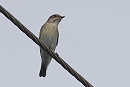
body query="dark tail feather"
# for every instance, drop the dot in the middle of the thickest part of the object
(42, 71)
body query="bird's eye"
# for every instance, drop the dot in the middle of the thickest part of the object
(54, 15)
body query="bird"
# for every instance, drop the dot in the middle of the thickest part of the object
(49, 35)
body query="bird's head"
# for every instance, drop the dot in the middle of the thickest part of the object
(56, 18)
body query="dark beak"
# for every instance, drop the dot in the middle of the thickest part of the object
(62, 16)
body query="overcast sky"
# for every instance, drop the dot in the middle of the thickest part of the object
(94, 40)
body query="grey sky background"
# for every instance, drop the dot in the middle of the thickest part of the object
(94, 40)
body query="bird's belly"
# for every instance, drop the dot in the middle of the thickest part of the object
(50, 40)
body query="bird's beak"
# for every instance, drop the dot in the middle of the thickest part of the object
(62, 16)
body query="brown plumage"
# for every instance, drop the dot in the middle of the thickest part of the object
(49, 35)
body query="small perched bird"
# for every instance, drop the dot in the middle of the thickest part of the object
(49, 35)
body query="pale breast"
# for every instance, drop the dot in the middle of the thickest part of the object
(49, 35)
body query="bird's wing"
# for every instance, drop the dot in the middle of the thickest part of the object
(41, 31)
(57, 39)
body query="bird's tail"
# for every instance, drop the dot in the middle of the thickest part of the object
(42, 71)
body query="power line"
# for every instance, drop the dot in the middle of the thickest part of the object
(44, 47)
